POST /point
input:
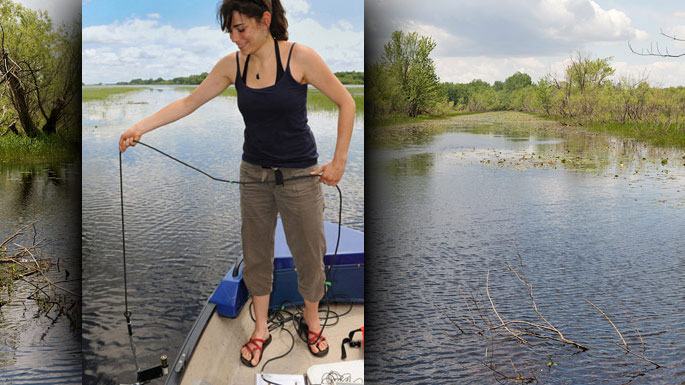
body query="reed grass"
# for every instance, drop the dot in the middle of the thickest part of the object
(55, 147)
(662, 134)
(101, 93)
(401, 120)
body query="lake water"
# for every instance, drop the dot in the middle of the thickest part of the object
(35, 348)
(182, 229)
(593, 217)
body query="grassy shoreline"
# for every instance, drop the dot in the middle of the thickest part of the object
(315, 99)
(101, 93)
(658, 135)
(20, 149)
(402, 120)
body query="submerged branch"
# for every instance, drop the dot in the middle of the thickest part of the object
(625, 346)
(21, 259)
(484, 321)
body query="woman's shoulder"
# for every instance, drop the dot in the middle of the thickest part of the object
(229, 59)
(227, 66)
(304, 59)
(301, 51)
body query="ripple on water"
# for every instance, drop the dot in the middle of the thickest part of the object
(35, 349)
(182, 229)
(440, 216)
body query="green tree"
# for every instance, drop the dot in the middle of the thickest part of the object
(586, 73)
(407, 56)
(544, 94)
(517, 81)
(40, 70)
(385, 92)
(585, 80)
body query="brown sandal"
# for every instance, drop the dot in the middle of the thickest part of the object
(261, 348)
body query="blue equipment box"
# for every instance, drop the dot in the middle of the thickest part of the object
(347, 276)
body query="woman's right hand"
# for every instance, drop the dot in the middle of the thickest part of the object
(129, 138)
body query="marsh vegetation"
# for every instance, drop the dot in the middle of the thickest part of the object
(587, 94)
(39, 84)
(594, 218)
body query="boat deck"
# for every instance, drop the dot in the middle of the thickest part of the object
(216, 359)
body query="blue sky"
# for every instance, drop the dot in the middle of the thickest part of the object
(184, 14)
(127, 39)
(492, 39)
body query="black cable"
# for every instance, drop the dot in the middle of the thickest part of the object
(281, 320)
(127, 313)
(329, 280)
(123, 236)
(220, 179)
(292, 345)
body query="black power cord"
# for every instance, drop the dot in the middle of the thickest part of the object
(277, 320)
(280, 317)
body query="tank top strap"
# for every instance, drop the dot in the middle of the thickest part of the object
(289, 55)
(279, 64)
(242, 75)
(237, 65)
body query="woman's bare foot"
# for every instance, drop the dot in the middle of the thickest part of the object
(311, 316)
(256, 343)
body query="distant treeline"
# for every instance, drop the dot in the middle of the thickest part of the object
(584, 95)
(347, 77)
(350, 77)
(403, 83)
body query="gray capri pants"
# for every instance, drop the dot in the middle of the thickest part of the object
(300, 203)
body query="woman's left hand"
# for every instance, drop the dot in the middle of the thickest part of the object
(331, 173)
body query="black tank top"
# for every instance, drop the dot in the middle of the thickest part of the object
(276, 129)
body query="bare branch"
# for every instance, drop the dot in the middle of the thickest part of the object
(608, 319)
(487, 290)
(654, 49)
(672, 37)
(625, 345)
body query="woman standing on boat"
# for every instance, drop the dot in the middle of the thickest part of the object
(271, 76)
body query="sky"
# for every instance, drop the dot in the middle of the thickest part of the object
(60, 11)
(128, 39)
(492, 39)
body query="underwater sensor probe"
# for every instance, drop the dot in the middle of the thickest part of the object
(145, 375)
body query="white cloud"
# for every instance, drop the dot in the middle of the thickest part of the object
(492, 39)
(465, 69)
(678, 32)
(346, 25)
(664, 72)
(341, 48)
(148, 48)
(505, 27)
(60, 11)
(584, 20)
(154, 16)
(296, 7)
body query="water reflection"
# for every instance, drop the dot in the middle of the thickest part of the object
(183, 230)
(38, 347)
(416, 165)
(593, 217)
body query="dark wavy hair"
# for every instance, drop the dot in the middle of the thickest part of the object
(255, 9)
